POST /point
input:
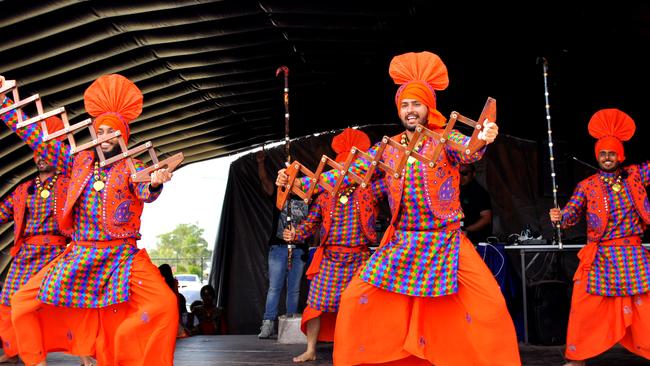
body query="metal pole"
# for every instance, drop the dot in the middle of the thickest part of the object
(287, 142)
(522, 254)
(558, 232)
(287, 148)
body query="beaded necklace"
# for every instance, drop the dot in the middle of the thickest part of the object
(404, 141)
(614, 183)
(344, 196)
(99, 177)
(45, 190)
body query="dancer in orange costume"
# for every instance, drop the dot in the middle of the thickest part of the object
(128, 311)
(425, 296)
(33, 207)
(610, 302)
(347, 225)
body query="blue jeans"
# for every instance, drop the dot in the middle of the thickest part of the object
(278, 275)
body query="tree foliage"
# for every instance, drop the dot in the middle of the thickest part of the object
(183, 248)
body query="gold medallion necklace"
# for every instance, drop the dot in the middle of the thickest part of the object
(614, 183)
(98, 176)
(344, 196)
(45, 191)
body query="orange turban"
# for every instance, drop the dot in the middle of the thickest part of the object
(52, 124)
(611, 127)
(420, 75)
(114, 101)
(344, 141)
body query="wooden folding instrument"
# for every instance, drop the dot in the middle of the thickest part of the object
(407, 152)
(136, 176)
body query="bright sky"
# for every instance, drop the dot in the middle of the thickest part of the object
(193, 196)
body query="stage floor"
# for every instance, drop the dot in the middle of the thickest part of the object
(247, 350)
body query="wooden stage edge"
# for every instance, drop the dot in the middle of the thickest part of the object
(247, 350)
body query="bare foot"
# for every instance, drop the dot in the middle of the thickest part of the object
(5, 359)
(87, 361)
(307, 356)
(575, 363)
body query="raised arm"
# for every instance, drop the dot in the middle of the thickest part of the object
(33, 136)
(572, 212)
(309, 226)
(359, 167)
(489, 134)
(149, 192)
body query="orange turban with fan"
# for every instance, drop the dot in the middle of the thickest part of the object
(419, 76)
(346, 140)
(611, 127)
(114, 101)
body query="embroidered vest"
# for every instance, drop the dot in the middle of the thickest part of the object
(121, 208)
(20, 205)
(367, 213)
(598, 206)
(442, 183)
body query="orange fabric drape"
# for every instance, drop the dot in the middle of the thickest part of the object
(139, 332)
(143, 330)
(46, 328)
(314, 266)
(596, 323)
(471, 327)
(7, 333)
(327, 323)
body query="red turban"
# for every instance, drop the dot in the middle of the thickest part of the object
(344, 141)
(611, 127)
(419, 75)
(114, 101)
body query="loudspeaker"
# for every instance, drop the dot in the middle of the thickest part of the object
(549, 303)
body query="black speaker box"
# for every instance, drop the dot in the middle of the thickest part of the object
(549, 303)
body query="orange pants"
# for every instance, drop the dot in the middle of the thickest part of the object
(26, 265)
(596, 323)
(472, 327)
(7, 332)
(68, 330)
(327, 323)
(139, 332)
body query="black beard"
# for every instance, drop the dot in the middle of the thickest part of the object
(409, 128)
(114, 151)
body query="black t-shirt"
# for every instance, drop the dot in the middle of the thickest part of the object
(299, 211)
(473, 200)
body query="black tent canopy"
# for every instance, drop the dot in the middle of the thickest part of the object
(207, 68)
